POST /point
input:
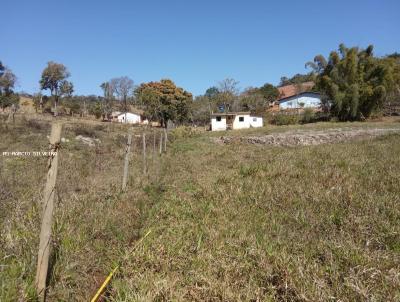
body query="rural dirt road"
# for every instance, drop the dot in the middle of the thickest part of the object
(308, 137)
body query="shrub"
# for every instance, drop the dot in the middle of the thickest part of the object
(34, 124)
(184, 132)
(285, 119)
(308, 116)
(84, 131)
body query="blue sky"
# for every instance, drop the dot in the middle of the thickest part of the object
(194, 43)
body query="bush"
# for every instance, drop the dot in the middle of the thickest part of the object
(285, 119)
(184, 132)
(82, 130)
(34, 124)
(308, 116)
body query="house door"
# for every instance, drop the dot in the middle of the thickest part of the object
(229, 121)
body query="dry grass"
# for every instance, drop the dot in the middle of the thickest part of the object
(94, 222)
(229, 222)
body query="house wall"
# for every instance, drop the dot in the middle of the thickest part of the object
(130, 117)
(237, 124)
(256, 121)
(309, 100)
(218, 125)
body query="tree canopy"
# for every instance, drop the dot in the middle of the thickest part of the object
(297, 79)
(7, 83)
(353, 82)
(54, 78)
(164, 101)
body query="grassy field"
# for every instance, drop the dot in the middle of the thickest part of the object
(237, 222)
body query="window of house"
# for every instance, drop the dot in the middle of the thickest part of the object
(241, 118)
(218, 118)
(254, 119)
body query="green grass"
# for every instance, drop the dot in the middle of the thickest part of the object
(230, 222)
(251, 223)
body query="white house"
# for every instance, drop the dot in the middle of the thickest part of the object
(131, 118)
(301, 100)
(234, 120)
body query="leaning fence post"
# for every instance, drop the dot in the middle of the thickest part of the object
(144, 153)
(47, 206)
(126, 164)
(165, 139)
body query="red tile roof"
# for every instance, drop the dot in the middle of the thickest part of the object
(291, 90)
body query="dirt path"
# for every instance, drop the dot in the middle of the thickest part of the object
(304, 138)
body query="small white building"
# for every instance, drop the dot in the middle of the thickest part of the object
(234, 120)
(129, 117)
(301, 100)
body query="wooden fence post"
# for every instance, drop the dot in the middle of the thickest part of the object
(144, 153)
(47, 206)
(161, 142)
(126, 163)
(165, 139)
(154, 147)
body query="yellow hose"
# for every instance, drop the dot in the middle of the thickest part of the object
(108, 279)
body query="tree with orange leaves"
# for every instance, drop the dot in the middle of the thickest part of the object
(163, 101)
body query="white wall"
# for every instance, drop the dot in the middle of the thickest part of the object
(309, 100)
(130, 117)
(256, 121)
(237, 124)
(218, 125)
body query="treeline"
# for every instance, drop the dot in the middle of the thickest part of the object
(354, 84)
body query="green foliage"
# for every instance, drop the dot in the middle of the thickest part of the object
(297, 79)
(7, 82)
(211, 92)
(354, 83)
(164, 101)
(200, 110)
(269, 92)
(8, 99)
(184, 132)
(285, 119)
(97, 110)
(54, 79)
(308, 116)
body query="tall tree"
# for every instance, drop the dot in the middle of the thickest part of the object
(211, 92)
(54, 79)
(107, 94)
(122, 87)
(7, 83)
(228, 91)
(164, 101)
(354, 83)
(269, 92)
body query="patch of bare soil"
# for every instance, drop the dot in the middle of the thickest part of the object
(305, 138)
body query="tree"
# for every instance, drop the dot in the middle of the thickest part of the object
(353, 82)
(7, 83)
(251, 99)
(297, 78)
(212, 92)
(122, 87)
(228, 91)
(106, 107)
(54, 78)
(164, 101)
(269, 92)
